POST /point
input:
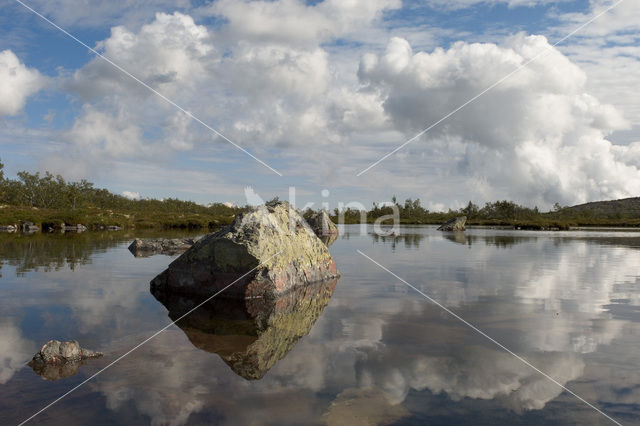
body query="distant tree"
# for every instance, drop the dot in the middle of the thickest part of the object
(42, 191)
(471, 210)
(3, 185)
(273, 200)
(77, 193)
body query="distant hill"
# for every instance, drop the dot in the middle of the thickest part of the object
(624, 208)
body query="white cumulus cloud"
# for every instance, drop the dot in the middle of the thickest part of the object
(17, 83)
(539, 135)
(294, 22)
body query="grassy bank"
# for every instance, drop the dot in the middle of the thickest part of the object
(542, 223)
(96, 218)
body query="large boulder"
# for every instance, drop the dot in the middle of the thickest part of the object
(269, 250)
(321, 224)
(455, 224)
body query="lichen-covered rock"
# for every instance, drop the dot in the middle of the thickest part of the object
(272, 243)
(55, 351)
(321, 224)
(455, 224)
(170, 247)
(60, 359)
(250, 335)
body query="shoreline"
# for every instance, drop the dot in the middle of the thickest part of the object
(206, 229)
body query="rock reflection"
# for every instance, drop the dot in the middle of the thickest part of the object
(250, 335)
(410, 240)
(328, 239)
(54, 372)
(458, 237)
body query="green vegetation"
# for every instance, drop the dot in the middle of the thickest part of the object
(50, 201)
(506, 213)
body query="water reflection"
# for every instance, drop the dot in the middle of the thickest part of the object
(58, 371)
(55, 251)
(408, 240)
(458, 237)
(472, 368)
(14, 350)
(378, 353)
(52, 252)
(250, 335)
(328, 240)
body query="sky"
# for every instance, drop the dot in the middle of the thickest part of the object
(201, 99)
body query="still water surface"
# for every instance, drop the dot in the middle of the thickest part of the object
(376, 351)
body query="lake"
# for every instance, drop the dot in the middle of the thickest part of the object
(367, 350)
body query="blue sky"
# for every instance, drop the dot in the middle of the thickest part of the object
(319, 91)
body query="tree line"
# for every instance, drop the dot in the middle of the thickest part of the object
(80, 201)
(501, 213)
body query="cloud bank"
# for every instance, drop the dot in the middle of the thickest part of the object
(538, 136)
(300, 83)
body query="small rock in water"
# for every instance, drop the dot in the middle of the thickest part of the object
(321, 224)
(455, 224)
(144, 248)
(60, 359)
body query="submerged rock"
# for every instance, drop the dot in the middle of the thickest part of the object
(78, 227)
(455, 224)
(321, 224)
(269, 250)
(144, 248)
(250, 335)
(28, 227)
(8, 228)
(60, 359)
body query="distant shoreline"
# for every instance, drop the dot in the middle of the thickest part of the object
(96, 219)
